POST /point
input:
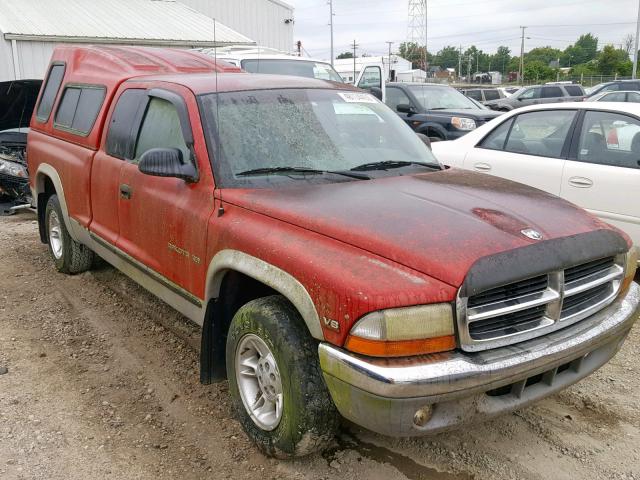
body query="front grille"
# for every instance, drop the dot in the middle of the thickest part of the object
(521, 310)
(15, 185)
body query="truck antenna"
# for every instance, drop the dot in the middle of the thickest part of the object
(217, 149)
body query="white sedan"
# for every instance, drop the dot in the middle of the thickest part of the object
(587, 153)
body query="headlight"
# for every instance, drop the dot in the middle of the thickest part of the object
(462, 123)
(401, 332)
(631, 264)
(14, 169)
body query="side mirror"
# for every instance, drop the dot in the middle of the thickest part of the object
(426, 140)
(405, 108)
(376, 92)
(166, 162)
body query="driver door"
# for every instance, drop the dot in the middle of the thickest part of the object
(163, 220)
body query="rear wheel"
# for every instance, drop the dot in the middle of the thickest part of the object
(68, 255)
(276, 386)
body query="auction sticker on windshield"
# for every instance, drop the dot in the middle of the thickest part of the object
(357, 97)
(352, 109)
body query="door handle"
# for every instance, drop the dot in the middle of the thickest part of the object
(482, 167)
(581, 182)
(125, 191)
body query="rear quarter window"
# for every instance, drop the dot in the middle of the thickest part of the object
(552, 92)
(491, 95)
(50, 91)
(574, 91)
(79, 108)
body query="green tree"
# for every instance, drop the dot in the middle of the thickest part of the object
(543, 54)
(584, 69)
(611, 60)
(538, 71)
(414, 53)
(500, 60)
(345, 55)
(447, 57)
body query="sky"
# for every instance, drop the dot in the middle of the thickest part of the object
(484, 23)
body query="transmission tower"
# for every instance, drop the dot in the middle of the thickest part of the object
(418, 26)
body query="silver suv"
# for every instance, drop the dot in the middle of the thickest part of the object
(537, 94)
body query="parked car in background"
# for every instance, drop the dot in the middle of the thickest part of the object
(622, 96)
(537, 94)
(587, 153)
(17, 100)
(438, 111)
(270, 61)
(484, 94)
(614, 86)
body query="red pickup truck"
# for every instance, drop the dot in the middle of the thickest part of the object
(336, 268)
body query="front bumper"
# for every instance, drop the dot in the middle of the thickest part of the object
(454, 388)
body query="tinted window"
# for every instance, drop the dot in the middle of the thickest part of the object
(614, 87)
(395, 97)
(574, 90)
(120, 140)
(610, 139)
(633, 97)
(50, 91)
(530, 94)
(491, 95)
(437, 97)
(496, 139)
(540, 133)
(552, 92)
(79, 108)
(161, 129)
(475, 94)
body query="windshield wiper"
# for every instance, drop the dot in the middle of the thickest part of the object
(311, 171)
(389, 164)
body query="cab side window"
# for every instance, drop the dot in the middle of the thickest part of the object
(530, 94)
(161, 129)
(371, 78)
(120, 140)
(551, 92)
(395, 97)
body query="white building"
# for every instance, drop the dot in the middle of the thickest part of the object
(30, 29)
(268, 22)
(398, 64)
(413, 75)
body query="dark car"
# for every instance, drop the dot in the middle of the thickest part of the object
(537, 94)
(438, 111)
(483, 95)
(615, 86)
(17, 99)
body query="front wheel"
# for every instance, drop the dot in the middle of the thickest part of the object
(276, 386)
(68, 255)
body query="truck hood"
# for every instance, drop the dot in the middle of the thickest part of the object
(436, 223)
(483, 115)
(17, 101)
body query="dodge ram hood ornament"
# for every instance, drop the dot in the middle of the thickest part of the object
(532, 234)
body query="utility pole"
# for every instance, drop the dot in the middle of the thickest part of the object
(331, 28)
(460, 63)
(521, 70)
(635, 50)
(469, 71)
(355, 48)
(426, 16)
(389, 43)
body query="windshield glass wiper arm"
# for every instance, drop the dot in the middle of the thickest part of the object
(388, 164)
(312, 171)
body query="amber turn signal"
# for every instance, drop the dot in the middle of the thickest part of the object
(631, 264)
(402, 348)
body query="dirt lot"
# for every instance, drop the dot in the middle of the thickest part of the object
(102, 383)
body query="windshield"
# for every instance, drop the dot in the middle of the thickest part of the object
(440, 98)
(297, 68)
(326, 130)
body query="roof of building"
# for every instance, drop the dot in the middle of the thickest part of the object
(147, 22)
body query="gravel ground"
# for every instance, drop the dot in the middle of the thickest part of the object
(102, 382)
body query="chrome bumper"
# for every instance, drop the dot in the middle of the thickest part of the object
(383, 395)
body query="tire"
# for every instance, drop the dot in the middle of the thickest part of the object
(309, 419)
(68, 255)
